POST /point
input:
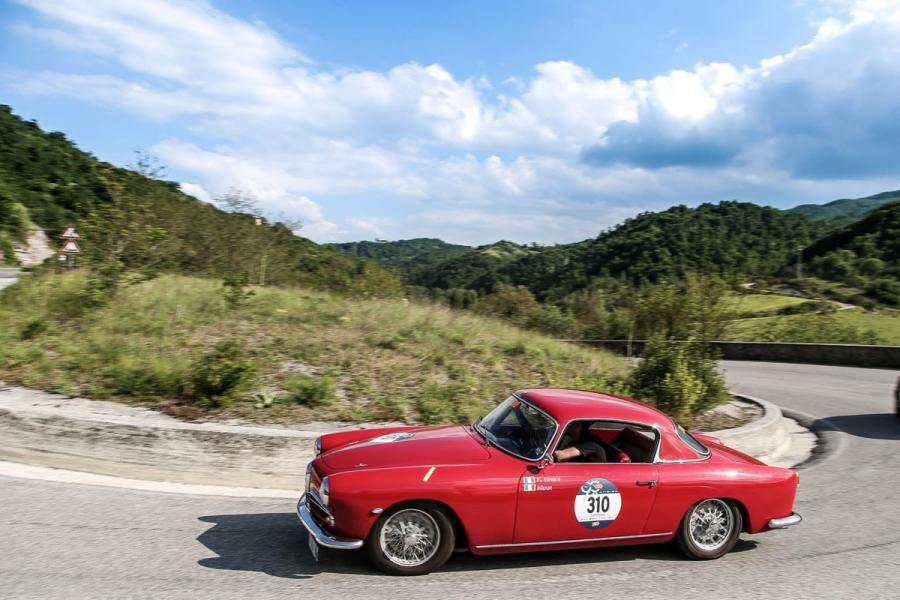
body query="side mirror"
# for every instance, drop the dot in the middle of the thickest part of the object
(547, 460)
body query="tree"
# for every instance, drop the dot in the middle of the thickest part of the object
(693, 307)
(239, 201)
(148, 165)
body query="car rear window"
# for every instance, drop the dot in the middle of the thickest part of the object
(692, 442)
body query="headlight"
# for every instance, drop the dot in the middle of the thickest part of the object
(323, 491)
(317, 445)
(308, 476)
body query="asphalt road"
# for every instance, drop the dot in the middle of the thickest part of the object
(70, 541)
(7, 276)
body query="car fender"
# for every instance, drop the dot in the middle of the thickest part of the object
(481, 499)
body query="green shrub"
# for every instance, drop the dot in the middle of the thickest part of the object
(551, 319)
(130, 377)
(311, 391)
(808, 307)
(886, 291)
(234, 290)
(33, 328)
(101, 285)
(7, 254)
(680, 378)
(442, 403)
(219, 374)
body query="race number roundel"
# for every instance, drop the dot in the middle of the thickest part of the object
(597, 503)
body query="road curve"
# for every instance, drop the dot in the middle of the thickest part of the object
(70, 541)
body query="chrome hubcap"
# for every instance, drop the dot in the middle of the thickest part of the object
(711, 524)
(410, 537)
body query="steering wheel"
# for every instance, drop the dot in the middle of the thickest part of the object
(511, 443)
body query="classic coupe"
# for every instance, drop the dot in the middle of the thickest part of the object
(547, 469)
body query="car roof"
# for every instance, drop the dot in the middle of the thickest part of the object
(565, 405)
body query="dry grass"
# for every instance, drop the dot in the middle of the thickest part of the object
(360, 360)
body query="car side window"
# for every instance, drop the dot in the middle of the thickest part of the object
(626, 442)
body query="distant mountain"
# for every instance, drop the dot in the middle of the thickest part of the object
(846, 210)
(476, 269)
(406, 255)
(730, 239)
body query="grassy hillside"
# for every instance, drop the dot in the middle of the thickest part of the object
(279, 355)
(846, 210)
(760, 304)
(137, 222)
(854, 326)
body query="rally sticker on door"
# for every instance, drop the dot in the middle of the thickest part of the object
(597, 503)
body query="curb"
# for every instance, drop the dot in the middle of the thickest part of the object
(23, 471)
(140, 444)
(140, 451)
(829, 441)
(762, 437)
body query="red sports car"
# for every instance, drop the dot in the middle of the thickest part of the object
(547, 469)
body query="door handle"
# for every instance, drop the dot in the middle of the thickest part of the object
(651, 483)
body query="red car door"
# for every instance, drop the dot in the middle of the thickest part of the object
(578, 501)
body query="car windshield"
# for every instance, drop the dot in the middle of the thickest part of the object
(518, 428)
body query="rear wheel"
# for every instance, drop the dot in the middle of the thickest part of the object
(411, 539)
(710, 529)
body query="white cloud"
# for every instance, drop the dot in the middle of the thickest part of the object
(196, 190)
(554, 157)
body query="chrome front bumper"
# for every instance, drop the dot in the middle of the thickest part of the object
(320, 535)
(785, 522)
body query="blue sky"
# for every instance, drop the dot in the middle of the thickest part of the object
(472, 121)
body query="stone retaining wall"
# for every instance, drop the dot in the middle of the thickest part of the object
(851, 355)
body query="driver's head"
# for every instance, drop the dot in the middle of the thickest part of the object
(575, 430)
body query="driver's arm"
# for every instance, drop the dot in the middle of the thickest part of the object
(566, 454)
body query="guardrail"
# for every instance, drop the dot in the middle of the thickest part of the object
(851, 355)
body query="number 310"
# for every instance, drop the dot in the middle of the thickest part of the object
(598, 504)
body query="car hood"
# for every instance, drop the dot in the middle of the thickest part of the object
(426, 446)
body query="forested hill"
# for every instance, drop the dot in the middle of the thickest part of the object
(477, 269)
(407, 255)
(846, 210)
(731, 239)
(138, 222)
(864, 254)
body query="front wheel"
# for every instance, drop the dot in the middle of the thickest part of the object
(411, 539)
(710, 529)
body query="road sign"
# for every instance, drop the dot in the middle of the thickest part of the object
(70, 234)
(71, 247)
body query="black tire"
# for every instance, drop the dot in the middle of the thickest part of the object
(445, 543)
(694, 549)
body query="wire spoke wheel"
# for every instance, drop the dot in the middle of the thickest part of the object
(410, 537)
(711, 524)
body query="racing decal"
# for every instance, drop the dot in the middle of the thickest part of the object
(428, 474)
(538, 484)
(597, 503)
(391, 437)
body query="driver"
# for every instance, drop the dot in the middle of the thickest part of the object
(577, 445)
